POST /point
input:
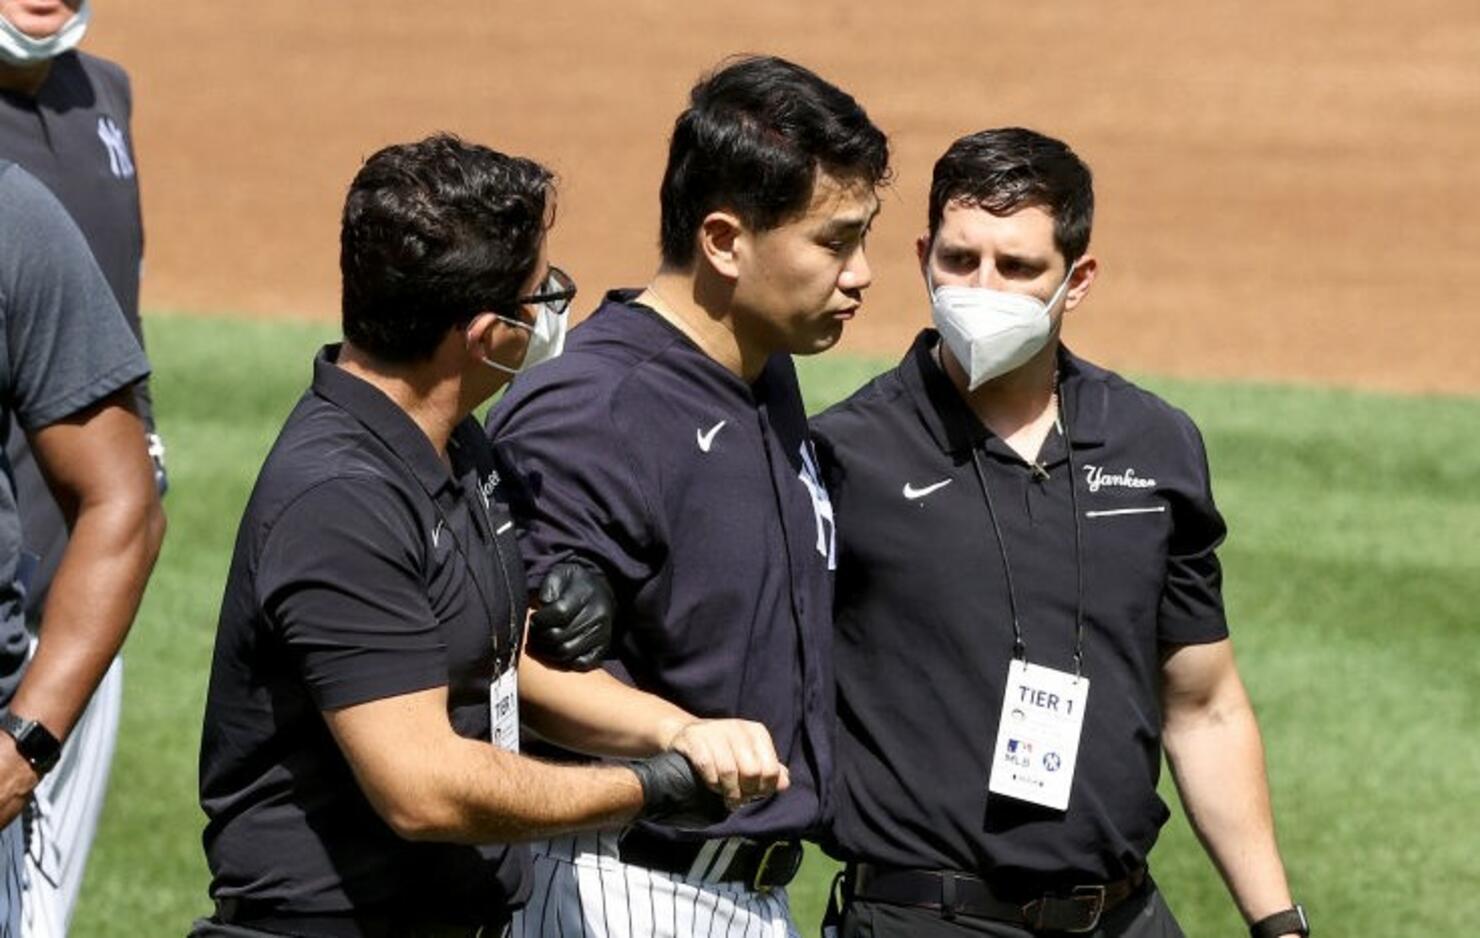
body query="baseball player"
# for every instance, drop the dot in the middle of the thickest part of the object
(64, 116)
(667, 448)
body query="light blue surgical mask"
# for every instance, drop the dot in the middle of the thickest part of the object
(18, 49)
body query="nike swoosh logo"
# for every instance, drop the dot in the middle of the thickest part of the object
(913, 493)
(436, 533)
(706, 440)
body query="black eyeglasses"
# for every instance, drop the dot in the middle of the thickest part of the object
(554, 294)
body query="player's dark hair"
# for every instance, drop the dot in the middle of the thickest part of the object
(434, 233)
(1012, 168)
(751, 141)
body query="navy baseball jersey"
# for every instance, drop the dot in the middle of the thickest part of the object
(924, 617)
(698, 495)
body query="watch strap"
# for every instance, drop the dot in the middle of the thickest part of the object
(1290, 921)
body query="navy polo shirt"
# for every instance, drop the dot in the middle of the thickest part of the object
(924, 634)
(697, 494)
(365, 568)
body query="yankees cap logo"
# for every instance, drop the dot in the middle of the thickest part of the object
(913, 493)
(706, 438)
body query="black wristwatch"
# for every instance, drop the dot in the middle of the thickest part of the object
(1290, 921)
(33, 741)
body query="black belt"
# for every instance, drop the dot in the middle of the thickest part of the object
(261, 916)
(761, 865)
(1075, 909)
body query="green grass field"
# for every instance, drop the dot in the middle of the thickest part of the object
(1353, 583)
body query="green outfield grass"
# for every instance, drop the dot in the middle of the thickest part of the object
(1353, 583)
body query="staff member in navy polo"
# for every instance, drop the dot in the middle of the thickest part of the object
(668, 448)
(1028, 600)
(375, 605)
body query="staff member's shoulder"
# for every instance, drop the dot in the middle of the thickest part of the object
(849, 428)
(1132, 412)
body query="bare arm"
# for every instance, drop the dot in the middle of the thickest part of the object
(594, 712)
(428, 783)
(99, 470)
(1217, 758)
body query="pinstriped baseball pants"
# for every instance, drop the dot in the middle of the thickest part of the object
(581, 890)
(44, 852)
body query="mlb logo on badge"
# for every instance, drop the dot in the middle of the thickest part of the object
(119, 162)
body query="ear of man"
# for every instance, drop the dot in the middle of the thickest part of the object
(488, 335)
(720, 234)
(1085, 271)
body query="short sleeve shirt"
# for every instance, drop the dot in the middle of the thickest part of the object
(64, 346)
(364, 569)
(697, 494)
(924, 632)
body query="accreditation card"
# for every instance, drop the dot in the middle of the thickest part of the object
(1038, 735)
(503, 706)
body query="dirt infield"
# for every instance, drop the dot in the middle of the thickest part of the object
(1286, 190)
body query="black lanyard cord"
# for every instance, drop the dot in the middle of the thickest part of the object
(1019, 646)
(501, 659)
(1078, 531)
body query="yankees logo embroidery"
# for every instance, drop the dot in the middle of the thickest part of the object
(119, 162)
(827, 534)
(1096, 478)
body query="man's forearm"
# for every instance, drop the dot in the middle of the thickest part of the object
(1217, 759)
(428, 783)
(489, 795)
(92, 603)
(595, 713)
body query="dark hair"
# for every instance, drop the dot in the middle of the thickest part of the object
(751, 141)
(433, 233)
(1011, 168)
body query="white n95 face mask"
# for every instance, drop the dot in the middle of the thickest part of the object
(991, 332)
(16, 48)
(546, 339)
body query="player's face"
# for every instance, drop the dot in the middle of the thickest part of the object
(1014, 253)
(39, 18)
(797, 284)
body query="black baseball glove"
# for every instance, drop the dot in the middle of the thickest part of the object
(573, 626)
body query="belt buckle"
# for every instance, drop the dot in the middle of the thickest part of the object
(758, 882)
(1048, 912)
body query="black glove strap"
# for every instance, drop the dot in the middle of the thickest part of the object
(1290, 921)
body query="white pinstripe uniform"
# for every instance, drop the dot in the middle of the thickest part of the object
(582, 889)
(45, 850)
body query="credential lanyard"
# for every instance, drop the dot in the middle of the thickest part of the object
(502, 658)
(1019, 646)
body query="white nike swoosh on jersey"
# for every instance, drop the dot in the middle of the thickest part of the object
(913, 493)
(706, 440)
(437, 533)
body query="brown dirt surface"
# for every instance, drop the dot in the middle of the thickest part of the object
(1286, 190)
